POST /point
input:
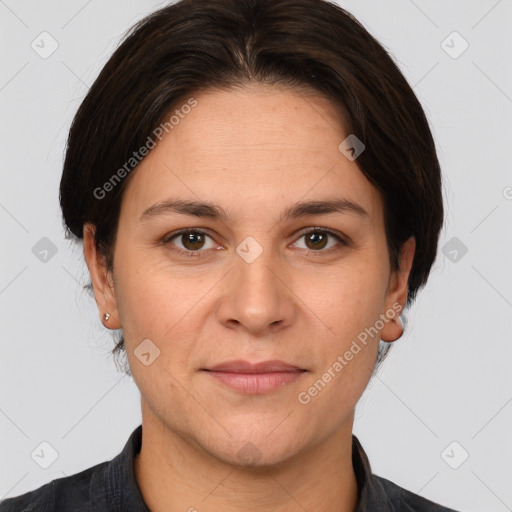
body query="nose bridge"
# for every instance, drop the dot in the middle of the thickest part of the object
(256, 266)
(257, 296)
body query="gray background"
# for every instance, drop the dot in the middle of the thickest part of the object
(448, 379)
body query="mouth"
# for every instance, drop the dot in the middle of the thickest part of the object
(254, 378)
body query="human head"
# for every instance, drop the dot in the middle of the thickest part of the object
(193, 46)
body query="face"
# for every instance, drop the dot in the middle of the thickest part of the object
(256, 284)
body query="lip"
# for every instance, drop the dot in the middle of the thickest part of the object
(241, 366)
(255, 378)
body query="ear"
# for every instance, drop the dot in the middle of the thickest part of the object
(102, 279)
(397, 290)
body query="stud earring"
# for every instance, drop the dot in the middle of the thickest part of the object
(106, 316)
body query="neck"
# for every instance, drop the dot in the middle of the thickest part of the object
(174, 473)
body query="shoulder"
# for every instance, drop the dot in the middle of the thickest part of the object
(109, 485)
(59, 494)
(378, 493)
(406, 501)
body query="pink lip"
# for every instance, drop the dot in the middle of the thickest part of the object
(256, 378)
(241, 366)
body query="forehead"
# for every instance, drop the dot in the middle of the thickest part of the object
(252, 146)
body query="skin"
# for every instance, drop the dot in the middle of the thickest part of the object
(254, 152)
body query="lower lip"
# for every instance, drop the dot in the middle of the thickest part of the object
(256, 383)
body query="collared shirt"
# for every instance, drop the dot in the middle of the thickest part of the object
(112, 487)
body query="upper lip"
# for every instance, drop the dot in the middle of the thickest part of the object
(241, 366)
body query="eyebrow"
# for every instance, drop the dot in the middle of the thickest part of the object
(213, 211)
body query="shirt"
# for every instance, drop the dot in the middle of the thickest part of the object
(112, 487)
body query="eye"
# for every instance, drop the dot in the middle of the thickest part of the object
(192, 242)
(316, 240)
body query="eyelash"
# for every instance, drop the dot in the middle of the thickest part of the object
(167, 240)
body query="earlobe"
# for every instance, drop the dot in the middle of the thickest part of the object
(393, 330)
(397, 293)
(100, 276)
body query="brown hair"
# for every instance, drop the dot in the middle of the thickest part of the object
(194, 45)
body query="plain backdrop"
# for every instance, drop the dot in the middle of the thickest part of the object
(436, 419)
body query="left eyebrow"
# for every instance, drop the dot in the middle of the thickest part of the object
(213, 211)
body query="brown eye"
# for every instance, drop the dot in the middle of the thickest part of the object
(317, 240)
(192, 240)
(189, 242)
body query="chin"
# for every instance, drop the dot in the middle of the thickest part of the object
(255, 450)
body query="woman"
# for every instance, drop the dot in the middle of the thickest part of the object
(259, 198)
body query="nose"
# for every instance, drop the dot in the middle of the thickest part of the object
(257, 294)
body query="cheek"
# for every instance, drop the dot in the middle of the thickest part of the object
(347, 306)
(347, 351)
(159, 305)
(150, 297)
(347, 300)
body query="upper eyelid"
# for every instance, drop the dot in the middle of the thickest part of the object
(174, 234)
